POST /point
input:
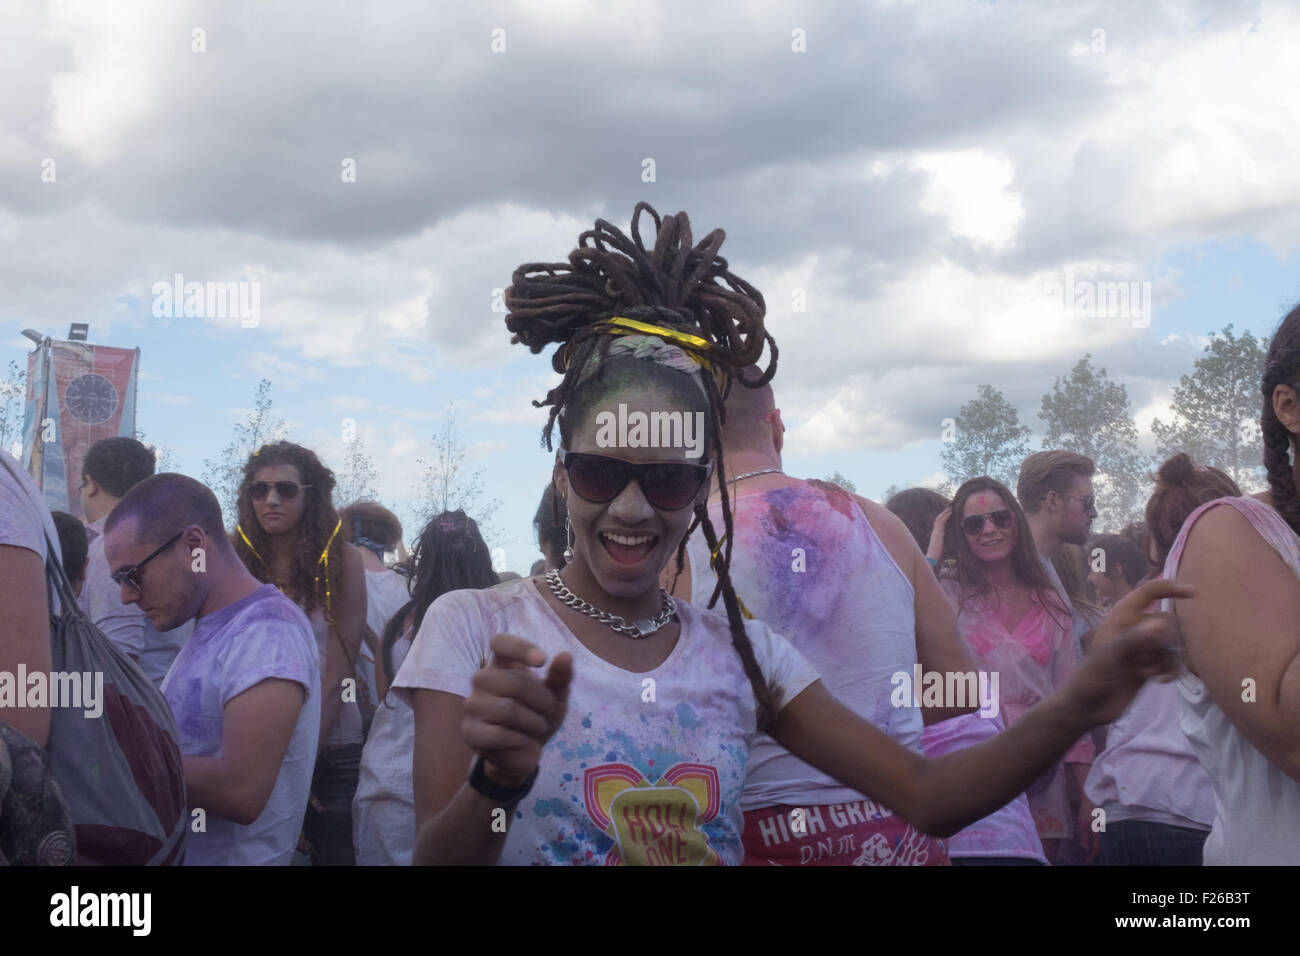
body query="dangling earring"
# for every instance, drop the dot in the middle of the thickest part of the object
(568, 531)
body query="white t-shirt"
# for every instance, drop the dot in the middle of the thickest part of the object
(263, 636)
(24, 517)
(1149, 771)
(647, 768)
(383, 810)
(385, 594)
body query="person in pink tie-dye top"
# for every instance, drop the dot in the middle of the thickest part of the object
(1018, 628)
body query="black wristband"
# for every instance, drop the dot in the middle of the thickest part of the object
(480, 781)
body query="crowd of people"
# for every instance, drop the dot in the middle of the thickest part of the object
(977, 681)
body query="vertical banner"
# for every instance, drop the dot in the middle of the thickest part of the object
(76, 395)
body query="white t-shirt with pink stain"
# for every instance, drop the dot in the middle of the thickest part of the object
(647, 768)
(1033, 661)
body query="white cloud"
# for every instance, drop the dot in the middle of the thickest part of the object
(971, 190)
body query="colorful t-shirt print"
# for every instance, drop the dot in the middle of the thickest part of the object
(654, 824)
(647, 768)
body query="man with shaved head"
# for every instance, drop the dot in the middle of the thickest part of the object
(843, 580)
(242, 689)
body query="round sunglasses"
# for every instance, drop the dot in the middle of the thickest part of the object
(668, 485)
(287, 490)
(973, 525)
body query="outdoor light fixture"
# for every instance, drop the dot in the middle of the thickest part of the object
(34, 335)
(78, 331)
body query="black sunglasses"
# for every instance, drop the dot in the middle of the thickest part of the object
(131, 575)
(974, 524)
(287, 490)
(666, 485)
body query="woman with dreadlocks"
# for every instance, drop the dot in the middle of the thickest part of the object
(1241, 686)
(663, 699)
(289, 535)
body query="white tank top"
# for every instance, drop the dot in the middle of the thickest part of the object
(806, 562)
(1257, 806)
(348, 729)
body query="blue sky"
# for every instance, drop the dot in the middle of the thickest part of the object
(917, 174)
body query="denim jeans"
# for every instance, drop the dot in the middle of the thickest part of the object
(1138, 843)
(328, 823)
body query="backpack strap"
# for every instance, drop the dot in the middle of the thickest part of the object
(170, 845)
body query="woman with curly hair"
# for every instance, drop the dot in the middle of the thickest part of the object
(633, 744)
(289, 535)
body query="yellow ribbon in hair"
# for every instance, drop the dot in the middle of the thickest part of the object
(691, 344)
(714, 557)
(323, 559)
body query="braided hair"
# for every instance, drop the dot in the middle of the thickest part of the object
(673, 283)
(1281, 367)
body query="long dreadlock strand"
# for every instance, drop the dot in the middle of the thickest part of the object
(679, 284)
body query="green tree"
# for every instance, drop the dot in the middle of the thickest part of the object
(1216, 409)
(986, 438)
(355, 481)
(1090, 415)
(838, 479)
(224, 474)
(448, 484)
(889, 493)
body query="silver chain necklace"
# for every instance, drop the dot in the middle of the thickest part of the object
(751, 474)
(637, 629)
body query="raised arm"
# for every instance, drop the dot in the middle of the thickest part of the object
(1246, 628)
(256, 728)
(944, 795)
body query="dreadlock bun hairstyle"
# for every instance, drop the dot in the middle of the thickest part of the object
(672, 283)
(1281, 367)
(308, 581)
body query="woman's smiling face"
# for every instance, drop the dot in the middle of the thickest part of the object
(991, 543)
(626, 542)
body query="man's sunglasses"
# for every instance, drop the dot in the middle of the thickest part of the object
(1088, 502)
(131, 575)
(666, 485)
(973, 525)
(287, 490)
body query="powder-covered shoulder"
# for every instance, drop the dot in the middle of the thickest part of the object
(455, 638)
(22, 523)
(786, 669)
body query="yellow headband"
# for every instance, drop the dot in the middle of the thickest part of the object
(690, 344)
